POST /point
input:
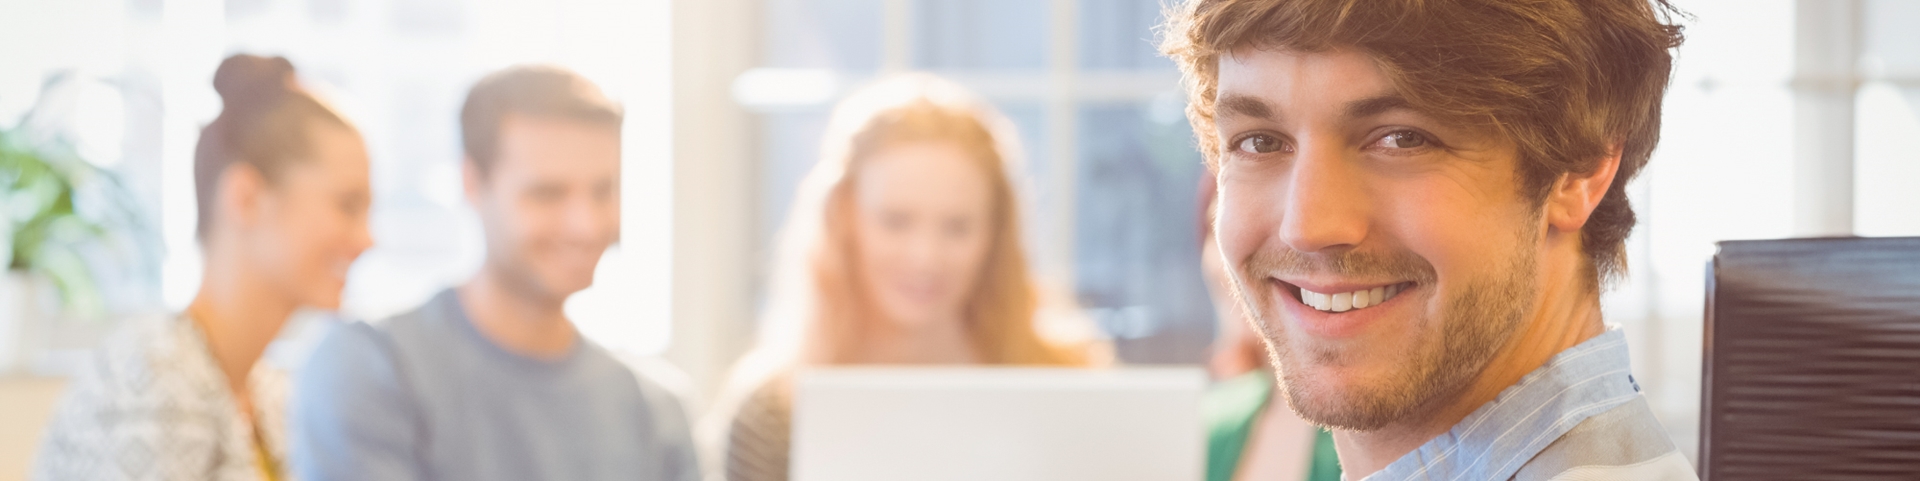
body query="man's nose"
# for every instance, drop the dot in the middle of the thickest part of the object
(1325, 203)
(586, 218)
(362, 236)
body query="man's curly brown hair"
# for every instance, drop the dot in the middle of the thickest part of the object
(1566, 80)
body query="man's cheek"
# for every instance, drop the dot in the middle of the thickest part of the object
(1236, 246)
(1266, 307)
(1247, 218)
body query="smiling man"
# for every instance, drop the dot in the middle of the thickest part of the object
(490, 380)
(1422, 200)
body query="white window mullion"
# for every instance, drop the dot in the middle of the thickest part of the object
(1062, 128)
(1826, 55)
(193, 45)
(896, 35)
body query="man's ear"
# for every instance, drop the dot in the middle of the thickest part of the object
(1575, 195)
(242, 193)
(472, 180)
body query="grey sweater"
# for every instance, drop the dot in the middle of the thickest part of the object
(425, 396)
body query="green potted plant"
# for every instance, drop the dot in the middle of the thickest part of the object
(61, 217)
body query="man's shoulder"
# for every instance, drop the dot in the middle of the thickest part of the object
(423, 329)
(426, 324)
(1671, 466)
(360, 351)
(661, 393)
(657, 380)
(1625, 442)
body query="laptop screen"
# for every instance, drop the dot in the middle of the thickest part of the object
(998, 423)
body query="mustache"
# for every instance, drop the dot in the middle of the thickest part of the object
(1286, 261)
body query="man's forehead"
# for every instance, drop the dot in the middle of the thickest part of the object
(522, 121)
(556, 149)
(1259, 82)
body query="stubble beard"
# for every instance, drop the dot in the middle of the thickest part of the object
(1475, 323)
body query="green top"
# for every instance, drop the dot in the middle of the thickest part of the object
(1232, 408)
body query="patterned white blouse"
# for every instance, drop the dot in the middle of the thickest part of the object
(153, 405)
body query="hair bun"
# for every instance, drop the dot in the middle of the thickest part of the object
(252, 82)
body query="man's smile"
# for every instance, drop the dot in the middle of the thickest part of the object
(1342, 314)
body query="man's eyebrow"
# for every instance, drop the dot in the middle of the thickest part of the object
(1371, 106)
(1244, 106)
(1250, 106)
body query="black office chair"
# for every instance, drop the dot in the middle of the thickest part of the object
(1812, 360)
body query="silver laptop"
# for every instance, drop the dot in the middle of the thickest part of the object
(1001, 424)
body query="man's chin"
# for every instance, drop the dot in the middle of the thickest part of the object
(564, 288)
(1342, 391)
(564, 280)
(548, 284)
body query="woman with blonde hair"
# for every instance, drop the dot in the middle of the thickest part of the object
(903, 247)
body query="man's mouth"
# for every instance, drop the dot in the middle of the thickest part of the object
(1352, 300)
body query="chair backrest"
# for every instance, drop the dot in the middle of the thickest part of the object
(1812, 366)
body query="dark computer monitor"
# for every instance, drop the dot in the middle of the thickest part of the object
(1812, 360)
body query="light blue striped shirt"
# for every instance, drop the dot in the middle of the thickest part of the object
(1580, 416)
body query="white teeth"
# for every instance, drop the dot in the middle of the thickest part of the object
(1315, 299)
(1347, 301)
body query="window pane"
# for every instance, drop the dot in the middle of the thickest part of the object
(1119, 35)
(1887, 120)
(791, 145)
(980, 34)
(1138, 234)
(829, 34)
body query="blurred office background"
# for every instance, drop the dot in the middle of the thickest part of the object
(1785, 119)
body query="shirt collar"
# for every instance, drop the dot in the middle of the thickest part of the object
(1494, 441)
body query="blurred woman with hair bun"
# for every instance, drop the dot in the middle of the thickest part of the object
(281, 180)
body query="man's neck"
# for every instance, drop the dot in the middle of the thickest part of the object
(1281, 440)
(239, 317)
(517, 319)
(1567, 316)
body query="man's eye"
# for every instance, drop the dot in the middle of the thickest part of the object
(958, 228)
(546, 193)
(1403, 139)
(1259, 144)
